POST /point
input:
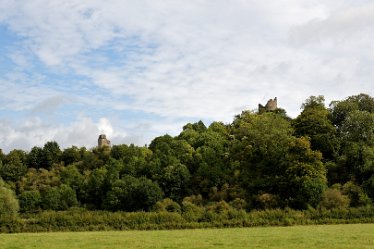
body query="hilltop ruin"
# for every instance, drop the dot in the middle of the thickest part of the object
(271, 105)
(102, 141)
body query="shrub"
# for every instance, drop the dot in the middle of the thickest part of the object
(238, 204)
(191, 211)
(9, 205)
(356, 194)
(59, 198)
(167, 205)
(133, 194)
(267, 201)
(30, 201)
(333, 198)
(220, 207)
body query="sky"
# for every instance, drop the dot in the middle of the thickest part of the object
(135, 70)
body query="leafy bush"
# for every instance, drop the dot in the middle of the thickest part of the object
(30, 201)
(167, 205)
(59, 198)
(333, 198)
(356, 194)
(267, 201)
(9, 205)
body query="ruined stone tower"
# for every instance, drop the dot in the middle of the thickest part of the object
(271, 105)
(102, 141)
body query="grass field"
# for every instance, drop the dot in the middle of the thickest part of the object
(325, 236)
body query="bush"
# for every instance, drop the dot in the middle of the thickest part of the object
(191, 210)
(133, 194)
(220, 207)
(59, 198)
(9, 205)
(30, 201)
(356, 194)
(333, 198)
(238, 204)
(167, 205)
(267, 201)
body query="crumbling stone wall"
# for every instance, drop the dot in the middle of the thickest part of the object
(271, 105)
(102, 141)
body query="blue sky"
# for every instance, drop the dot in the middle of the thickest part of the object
(70, 70)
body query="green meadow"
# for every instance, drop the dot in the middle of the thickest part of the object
(319, 236)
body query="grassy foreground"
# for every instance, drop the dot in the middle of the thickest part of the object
(321, 236)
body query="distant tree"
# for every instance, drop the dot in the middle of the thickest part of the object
(9, 205)
(58, 198)
(175, 181)
(35, 158)
(354, 118)
(314, 122)
(273, 161)
(71, 176)
(38, 180)
(13, 166)
(95, 188)
(340, 109)
(51, 154)
(30, 201)
(133, 194)
(71, 155)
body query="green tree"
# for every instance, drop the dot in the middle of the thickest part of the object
(13, 167)
(133, 194)
(71, 155)
(71, 176)
(30, 201)
(340, 109)
(273, 161)
(58, 198)
(95, 187)
(9, 205)
(35, 158)
(51, 154)
(314, 122)
(175, 181)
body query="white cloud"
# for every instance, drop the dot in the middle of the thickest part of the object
(36, 132)
(188, 59)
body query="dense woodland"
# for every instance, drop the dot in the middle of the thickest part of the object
(322, 159)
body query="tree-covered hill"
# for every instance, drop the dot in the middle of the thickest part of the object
(322, 158)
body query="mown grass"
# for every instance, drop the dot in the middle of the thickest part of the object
(320, 236)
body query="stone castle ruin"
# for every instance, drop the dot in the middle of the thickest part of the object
(271, 105)
(102, 141)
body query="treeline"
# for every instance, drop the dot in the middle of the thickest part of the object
(323, 159)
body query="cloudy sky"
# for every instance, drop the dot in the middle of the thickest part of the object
(136, 69)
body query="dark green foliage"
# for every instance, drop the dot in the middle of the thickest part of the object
(314, 122)
(132, 194)
(174, 180)
(356, 195)
(71, 176)
(35, 158)
(95, 188)
(13, 166)
(71, 155)
(30, 201)
(51, 154)
(275, 162)
(59, 198)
